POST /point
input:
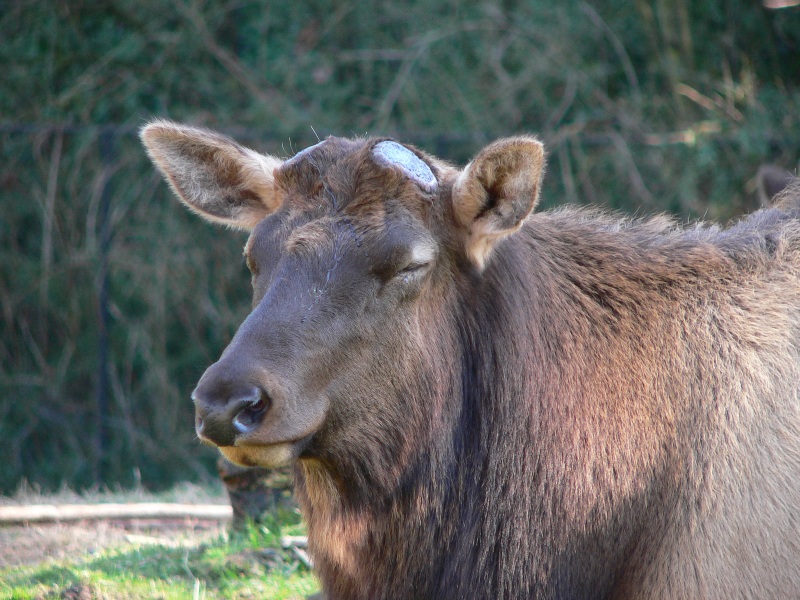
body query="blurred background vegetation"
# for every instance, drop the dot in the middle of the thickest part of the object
(113, 299)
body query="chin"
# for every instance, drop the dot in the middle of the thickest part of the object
(271, 456)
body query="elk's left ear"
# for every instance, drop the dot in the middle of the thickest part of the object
(496, 191)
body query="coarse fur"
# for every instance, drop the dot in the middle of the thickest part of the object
(563, 405)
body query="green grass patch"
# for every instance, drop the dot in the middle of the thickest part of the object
(248, 564)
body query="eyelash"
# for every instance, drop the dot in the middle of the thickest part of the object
(410, 271)
(411, 268)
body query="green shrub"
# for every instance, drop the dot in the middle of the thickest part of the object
(645, 106)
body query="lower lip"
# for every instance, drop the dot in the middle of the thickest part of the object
(272, 455)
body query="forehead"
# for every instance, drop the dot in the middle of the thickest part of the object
(365, 178)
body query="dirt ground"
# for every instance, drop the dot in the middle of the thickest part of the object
(37, 542)
(32, 544)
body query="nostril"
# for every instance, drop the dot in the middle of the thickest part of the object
(198, 424)
(252, 414)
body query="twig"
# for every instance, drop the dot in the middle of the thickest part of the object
(570, 91)
(89, 78)
(619, 50)
(634, 175)
(420, 48)
(371, 55)
(228, 60)
(687, 137)
(49, 209)
(708, 103)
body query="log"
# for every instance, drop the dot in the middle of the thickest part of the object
(43, 513)
(777, 4)
(299, 541)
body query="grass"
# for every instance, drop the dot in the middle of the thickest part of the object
(247, 564)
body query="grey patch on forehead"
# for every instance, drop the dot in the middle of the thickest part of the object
(392, 153)
(299, 156)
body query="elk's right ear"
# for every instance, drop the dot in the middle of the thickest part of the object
(213, 175)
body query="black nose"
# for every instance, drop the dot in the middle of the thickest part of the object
(225, 412)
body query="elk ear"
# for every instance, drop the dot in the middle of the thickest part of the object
(772, 180)
(213, 175)
(496, 191)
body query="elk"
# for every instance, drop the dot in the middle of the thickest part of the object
(484, 401)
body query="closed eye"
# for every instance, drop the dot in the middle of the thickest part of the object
(413, 267)
(406, 263)
(421, 259)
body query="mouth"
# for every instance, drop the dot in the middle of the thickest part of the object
(280, 454)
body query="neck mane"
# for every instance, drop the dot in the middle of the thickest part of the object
(524, 492)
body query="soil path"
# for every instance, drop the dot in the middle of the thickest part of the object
(33, 544)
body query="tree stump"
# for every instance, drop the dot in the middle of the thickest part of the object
(254, 492)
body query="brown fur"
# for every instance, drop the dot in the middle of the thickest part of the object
(587, 407)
